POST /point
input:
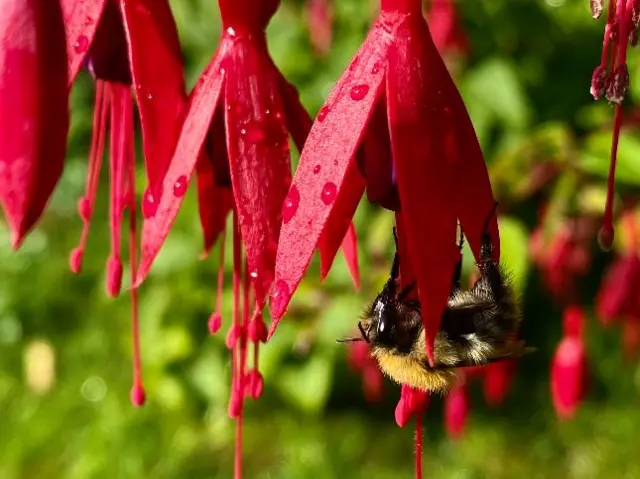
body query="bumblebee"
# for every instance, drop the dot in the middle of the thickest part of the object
(479, 325)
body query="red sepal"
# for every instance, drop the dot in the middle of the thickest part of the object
(419, 140)
(156, 67)
(202, 102)
(34, 105)
(81, 21)
(259, 157)
(332, 144)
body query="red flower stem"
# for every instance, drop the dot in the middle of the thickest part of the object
(607, 33)
(608, 209)
(237, 386)
(101, 108)
(223, 240)
(133, 260)
(118, 127)
(418, 445)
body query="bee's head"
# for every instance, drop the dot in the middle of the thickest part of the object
(383, 328)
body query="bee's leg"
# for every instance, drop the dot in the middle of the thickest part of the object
(488, 266)
(457, 272)
(395, 268)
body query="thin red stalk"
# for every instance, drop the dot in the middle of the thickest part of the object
(223, 239)
(419, 445)
(133, 260)
(117, 140)
(237, 387)
(100, 118)
(607, 226)
(607, 33)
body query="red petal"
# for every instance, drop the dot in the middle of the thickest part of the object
(81, 20)
(34, 106)
(203, 101)
(568, 375)
(298, 119)
(472, 194)
(259, 157)
(156, 66)
(339, 224)
(376, 160)
(419, 139)
(214, 201)
(332, 143)
(456, 411)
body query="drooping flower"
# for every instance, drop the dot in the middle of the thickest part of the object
(611, 80)
(569, 365)
(235, 136)
(456, 410)
(360, 360)
(34, 105)
(619, 293)
(114, 38)
(497, 380)
(446, 30)
(395, 125)
(319, 14)
(562, 254)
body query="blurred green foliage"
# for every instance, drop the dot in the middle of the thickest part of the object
(526, 84)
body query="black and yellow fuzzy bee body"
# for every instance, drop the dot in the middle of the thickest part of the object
(479, 326)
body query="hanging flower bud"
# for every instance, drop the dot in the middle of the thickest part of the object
(569, 366)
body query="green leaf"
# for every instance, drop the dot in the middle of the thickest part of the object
(307, 387)
(496, 86)
(595, 159)
(514, 251)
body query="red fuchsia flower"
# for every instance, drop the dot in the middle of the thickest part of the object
(34, 105)
(619, 294)
(611, 80)
(569, 365)
(497, 380)
(360, 360)
(446, 30)
(395, 125)
(235, 136)
(319, 14)
(563, 256)
(456, 410)
(114, 38)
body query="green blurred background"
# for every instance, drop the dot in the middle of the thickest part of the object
(65, 354)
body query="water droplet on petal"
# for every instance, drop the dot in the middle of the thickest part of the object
(279, 298)
(354, 62)
(180, 186)
(81, 44)
(375, 68)
(290, 205)
(322, 114)
(329, 193)
(253, 132)
(316, 169)
(253, 274)
(231, 32)
(149, 96)
(358, 92)
(149, 205)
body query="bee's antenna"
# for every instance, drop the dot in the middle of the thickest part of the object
(364, 336)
